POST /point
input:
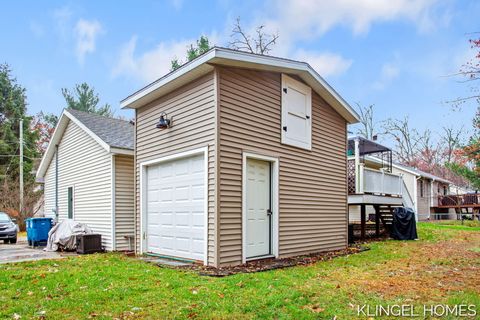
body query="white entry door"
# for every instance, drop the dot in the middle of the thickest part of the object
(175, 223)
(258, 209)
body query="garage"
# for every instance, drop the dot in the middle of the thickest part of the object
(175, 207)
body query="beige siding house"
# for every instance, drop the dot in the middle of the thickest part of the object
(425, 188)
(88, 175)
(237, 158)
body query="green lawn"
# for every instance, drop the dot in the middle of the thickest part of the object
(443, 267)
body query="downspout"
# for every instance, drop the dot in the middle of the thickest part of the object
(56, 183)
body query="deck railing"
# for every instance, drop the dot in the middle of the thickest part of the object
(377, 182)
(463, 200)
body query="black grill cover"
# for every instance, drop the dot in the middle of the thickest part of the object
(404, 226)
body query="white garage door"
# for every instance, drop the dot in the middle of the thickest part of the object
(176, 208)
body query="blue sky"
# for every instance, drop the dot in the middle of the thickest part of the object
(395, 54)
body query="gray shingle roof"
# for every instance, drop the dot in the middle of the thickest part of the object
(115, 132)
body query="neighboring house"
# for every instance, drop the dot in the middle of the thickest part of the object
(376, 181)
(374, 190)
(459, 190)
(88, 175)
(252, 166)
(426, 189)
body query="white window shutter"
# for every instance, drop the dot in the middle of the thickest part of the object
(296, 113)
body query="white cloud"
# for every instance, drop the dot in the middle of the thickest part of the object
(152, 64)
(311, 18)
(326, 64)
(86, 33)
(388, 73)
(294, 20)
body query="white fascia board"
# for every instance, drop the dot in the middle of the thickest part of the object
(351, 116)
(121, 151)
(186, 68)
(239, 58)
(57, 137)
(48, 155)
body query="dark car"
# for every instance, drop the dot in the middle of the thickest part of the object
(8, 229)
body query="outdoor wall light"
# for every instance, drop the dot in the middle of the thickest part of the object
(164, 122)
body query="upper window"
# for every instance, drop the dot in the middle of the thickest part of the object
(296, 113)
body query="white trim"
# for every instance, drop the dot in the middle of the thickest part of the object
(275, 199)
(50, 152)
(57, 137)
(143, 199)
(242, 59)
(186, 68)
(112, 172)
(415, 194)
(307, 91)
(121, 151)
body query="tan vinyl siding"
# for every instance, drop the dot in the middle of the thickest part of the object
(124, 200)
(193, 110)
(86, 166)
(312, 190)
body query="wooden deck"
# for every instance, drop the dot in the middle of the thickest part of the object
(459, 201)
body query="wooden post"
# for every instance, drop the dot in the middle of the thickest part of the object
(357, 165)
(363, 220)
(377, 220)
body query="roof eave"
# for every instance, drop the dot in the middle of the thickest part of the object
(242, 59)
(55, 140)
(57, 137)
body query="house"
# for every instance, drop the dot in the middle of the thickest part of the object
(426, 189)
(374, 189)
(88, 175)
(237, 158)
(379, 183)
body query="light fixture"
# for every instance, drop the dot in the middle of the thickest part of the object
(164, 122)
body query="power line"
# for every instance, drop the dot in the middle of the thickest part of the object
(6, 171)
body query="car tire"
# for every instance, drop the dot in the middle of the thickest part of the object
(14, 240)
(6, 241)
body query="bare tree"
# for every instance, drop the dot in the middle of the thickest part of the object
(470, 72)
(451, 139)
(9, 191)
(260, 43)
(367, 123)
(408, 141)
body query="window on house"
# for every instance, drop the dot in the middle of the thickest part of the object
(445, 190)
(296, 113)
(70, 203)
(421, 188)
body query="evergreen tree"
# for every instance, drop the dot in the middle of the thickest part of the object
(84, 98)
(202, 46)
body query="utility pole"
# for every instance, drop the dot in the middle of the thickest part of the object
(21, 166)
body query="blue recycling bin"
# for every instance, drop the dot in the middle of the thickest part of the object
(37, 230)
